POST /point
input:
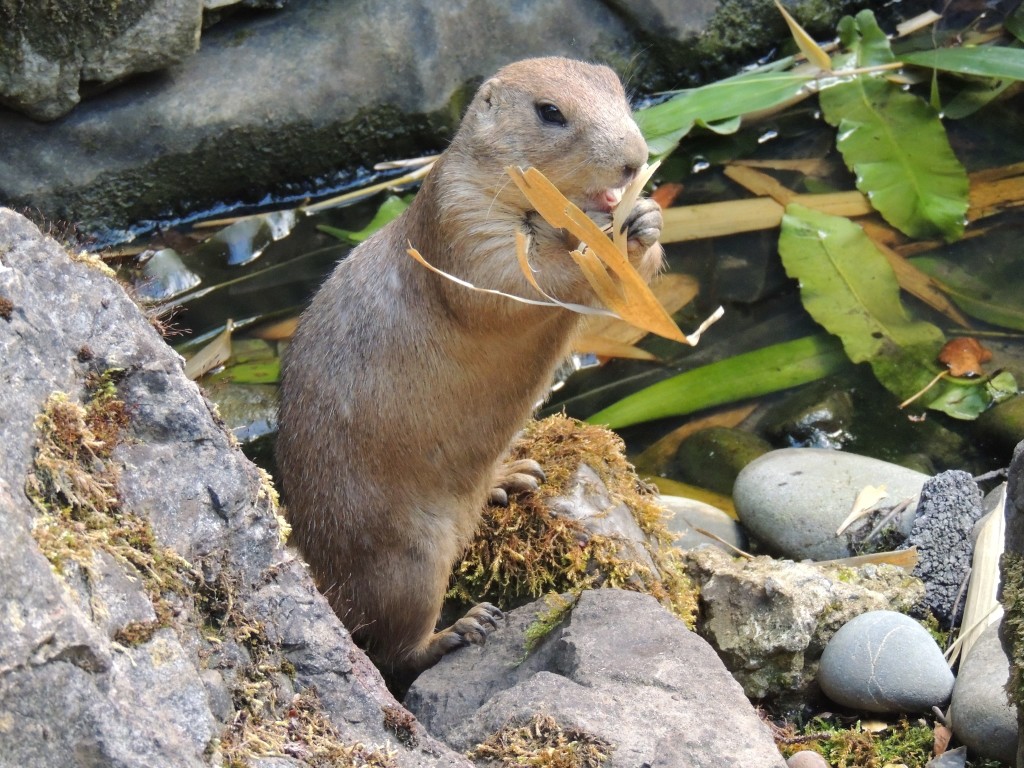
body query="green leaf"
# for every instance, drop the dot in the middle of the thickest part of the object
(751, 374)
(389, 210)
(986, 285)
(264, 372)
(663, 125)
(865, 39)
(848, 287)
(898, 148)
(983, 61)
(895, 142)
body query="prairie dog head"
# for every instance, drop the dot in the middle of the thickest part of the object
(569, 119)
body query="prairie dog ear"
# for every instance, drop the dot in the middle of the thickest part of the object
(488, 95)
(483, 110)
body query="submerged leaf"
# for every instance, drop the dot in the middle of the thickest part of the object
(389, 210)
(982, 61)
(986, 285)
(895, 143)
(849, 288)
(721, 104)
(751, 374)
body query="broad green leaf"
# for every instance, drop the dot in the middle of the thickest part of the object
(982, 60)
(988, 287)
(751, 374)
(898, 148)
(895, 142)
(663, 125)
(390, 209)
(865, 39)
(848, 287)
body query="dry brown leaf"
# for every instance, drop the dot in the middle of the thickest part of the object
(212, 355)
(964, 356)
(276, 331)
(602, 335)
(808, 47)
(607, 348)
(666, 194)
(604, 262)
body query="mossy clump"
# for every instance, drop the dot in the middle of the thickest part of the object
(522, 551)
(302, 732)
(542, 743)
(905, 743)
(73, 486)
(6, 308)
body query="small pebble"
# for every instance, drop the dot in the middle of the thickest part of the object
(806, 759)
(883, 661)
(982, 717)
(794, 499)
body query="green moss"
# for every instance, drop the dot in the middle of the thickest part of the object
(546, 621)
(855, 747)
(522, 551)
(542, 742)
(73, 486)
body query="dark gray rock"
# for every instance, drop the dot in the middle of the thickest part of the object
(285, 97)
(981, 713)
(949, 506)
(884, 661)
(794, 499)
(619, 667)
(48, 50)
(284, 102)
(770, 619)
(70, 693)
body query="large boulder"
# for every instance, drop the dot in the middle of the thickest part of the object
(279, 103)
(616, 672)
(151, 614)
(49, 50)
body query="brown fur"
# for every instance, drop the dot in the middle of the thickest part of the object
(402, 390)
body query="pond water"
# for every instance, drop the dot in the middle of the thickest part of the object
(263, 270)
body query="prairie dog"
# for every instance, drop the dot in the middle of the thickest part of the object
(402, 390)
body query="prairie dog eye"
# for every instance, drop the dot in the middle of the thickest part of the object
(549, 113)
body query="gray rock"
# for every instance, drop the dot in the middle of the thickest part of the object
(48, 50)
(687, 515)
(794, 499)
(884, 661)
(981, 713)
(954, 758)
(70, 694)
(949, 506)
(306, 97)
(618, 667)
(770, 620)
